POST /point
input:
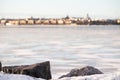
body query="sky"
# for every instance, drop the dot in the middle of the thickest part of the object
(59, 8)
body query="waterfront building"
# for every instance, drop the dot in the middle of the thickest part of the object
(22, 22)
(3, 22)
(38, 21)
(53, 21)
(80, 21)
(46, 21)
(60, 21)
(30, 21)
(111, 21)
(67, 21)
(118, 21)
(13, 22)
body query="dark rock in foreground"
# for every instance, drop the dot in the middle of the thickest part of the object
(0, 66)
(39, 70)
(88, 70)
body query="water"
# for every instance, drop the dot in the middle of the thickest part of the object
(66, 47)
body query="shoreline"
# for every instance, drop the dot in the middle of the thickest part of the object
(59, 21)
(35, 26)
(107, 76)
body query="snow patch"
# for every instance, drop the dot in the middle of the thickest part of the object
(110, 76)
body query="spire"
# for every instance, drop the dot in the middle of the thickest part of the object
(88, 17)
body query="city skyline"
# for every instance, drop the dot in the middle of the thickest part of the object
(59, 8)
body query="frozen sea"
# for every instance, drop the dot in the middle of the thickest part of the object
(66, 47)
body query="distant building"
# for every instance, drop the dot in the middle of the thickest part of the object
(60, 21)
(22, 22)
(53, 21)
(118, 21)
(46, 21)
(88, 17)
(67, 21)
(30, 21)
(80, 21)
(38, 21)
(3, 22)
(13, 22)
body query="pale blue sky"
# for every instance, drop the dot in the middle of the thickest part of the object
(60, 8)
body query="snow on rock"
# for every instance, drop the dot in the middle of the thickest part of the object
(16, 77)
(112, 76)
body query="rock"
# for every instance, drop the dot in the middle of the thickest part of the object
(88, 70)
(0, 66)
(39, 70)
(13, 69)
(18, 69)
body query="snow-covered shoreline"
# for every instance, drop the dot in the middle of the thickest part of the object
(109, 76)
